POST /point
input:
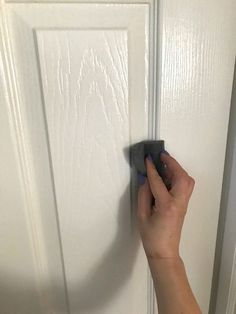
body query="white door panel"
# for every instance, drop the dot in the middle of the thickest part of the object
(198, 55)
(81, 82)
(83, 92)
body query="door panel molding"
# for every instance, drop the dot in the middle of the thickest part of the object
(191, 61)
(23, 151)
(23, 25)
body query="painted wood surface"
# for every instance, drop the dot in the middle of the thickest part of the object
(83, 99)
(85, 84)
(16, 259)
(65, 88)
(196, 68)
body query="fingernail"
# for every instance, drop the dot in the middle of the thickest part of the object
(141, 178)
(164, 152)
(149, 157)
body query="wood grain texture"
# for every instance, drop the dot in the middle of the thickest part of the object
(90, 83)
(197, 49)
(85, 84)
(195, 69)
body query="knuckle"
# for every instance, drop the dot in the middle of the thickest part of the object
(191, 181)
(184, 179)
(170, 206)
(187, 180)
(189, 187)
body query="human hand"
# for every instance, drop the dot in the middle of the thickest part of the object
(160, 224)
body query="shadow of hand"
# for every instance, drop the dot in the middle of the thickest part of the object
(106, 278)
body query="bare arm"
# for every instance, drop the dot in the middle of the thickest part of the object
(160, 228)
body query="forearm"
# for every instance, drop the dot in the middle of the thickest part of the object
(173, 291)
(160, 224)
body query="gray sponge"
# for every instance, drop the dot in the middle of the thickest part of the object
(139, 152)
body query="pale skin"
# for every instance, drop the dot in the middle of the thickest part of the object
(160, 224)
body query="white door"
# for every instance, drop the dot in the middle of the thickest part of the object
(80, 82)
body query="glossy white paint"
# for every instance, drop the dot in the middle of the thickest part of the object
(197, 64)
(16, 260)
(86, 89)
(78, 91)
(82, 89)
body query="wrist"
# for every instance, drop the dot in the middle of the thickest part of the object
(166, 268)
(170, 253)
(168, 263)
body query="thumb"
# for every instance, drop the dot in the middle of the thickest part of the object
(144, 201)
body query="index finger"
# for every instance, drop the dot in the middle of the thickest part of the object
(174, 168)
(157, 185)
(178, 176)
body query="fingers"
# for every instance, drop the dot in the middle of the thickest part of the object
(181, 183)
(144, 201)
(157, 185)
(181, 186)
(173, 166)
